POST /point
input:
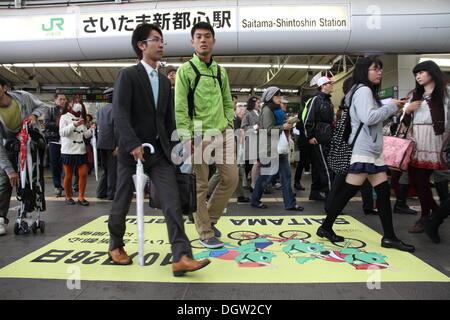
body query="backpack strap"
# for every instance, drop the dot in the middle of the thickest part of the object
(191, 105)
(219, 76)
(361, 124)
(357, 134)
(305, 109)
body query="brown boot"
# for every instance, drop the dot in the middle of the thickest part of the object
(119, 256)
(187, 264)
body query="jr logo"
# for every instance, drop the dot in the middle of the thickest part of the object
(59, 22)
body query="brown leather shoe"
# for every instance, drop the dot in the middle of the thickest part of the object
(187, 264)
(119, 256)
(418, 228)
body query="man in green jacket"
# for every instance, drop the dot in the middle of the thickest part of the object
(204, 111)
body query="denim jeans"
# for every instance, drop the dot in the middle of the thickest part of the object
(285, 175)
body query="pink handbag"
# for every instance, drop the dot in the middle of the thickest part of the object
(397, 152)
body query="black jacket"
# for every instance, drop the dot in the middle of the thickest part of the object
(136, 119)
(51, 124)
(319, 119)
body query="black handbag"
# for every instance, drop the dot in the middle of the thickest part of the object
(187, 189)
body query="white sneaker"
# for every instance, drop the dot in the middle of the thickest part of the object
(2, 227)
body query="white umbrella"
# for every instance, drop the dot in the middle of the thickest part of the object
(140, 179)
(94, 149)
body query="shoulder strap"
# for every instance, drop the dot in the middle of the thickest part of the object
(197, 74)
(305, 109)
(357, 134)
(361, 124)
(219, 76)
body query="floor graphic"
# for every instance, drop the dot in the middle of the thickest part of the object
(278, 249)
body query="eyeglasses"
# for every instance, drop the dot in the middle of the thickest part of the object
(376, 69)
(156, 39)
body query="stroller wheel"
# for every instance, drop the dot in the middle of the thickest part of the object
(34, 227)
(25, 227)
(16, 228)
(42, 226)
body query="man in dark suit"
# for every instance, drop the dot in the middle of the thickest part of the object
(143, 113)
(106, 145)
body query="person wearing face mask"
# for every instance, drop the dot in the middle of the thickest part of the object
(15, 106)
(271, 122)
(73, 131)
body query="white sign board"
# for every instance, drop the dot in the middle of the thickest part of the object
(294, 18)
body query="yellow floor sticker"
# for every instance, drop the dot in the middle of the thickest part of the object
(278, 249)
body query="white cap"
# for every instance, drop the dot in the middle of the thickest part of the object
(323, 80)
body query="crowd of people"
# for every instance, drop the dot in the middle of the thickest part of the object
(195, 101)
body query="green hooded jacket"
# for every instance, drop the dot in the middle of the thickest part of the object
(213, 104)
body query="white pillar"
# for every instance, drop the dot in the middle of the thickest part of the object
(406, 82)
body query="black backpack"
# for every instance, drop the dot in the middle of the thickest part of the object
(340, 150)
(191, 105)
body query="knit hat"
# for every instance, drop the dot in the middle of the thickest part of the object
(269, 93)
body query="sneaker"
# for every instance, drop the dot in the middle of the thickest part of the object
(212, 243)
(278, 186)
(58, 192)
(217, 233)
(243, 200)
(2, 226)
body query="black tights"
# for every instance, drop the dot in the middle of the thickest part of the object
(348, 191)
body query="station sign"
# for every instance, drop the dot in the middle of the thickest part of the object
(294, 18)
(76, 24)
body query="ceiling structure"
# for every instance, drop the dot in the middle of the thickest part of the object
(245, 72)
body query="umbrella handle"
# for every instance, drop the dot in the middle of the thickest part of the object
(148, 145)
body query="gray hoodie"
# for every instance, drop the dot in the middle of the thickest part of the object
(28, 104)
(365, 109)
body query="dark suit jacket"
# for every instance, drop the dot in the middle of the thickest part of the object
(136, 120)
(105, 128)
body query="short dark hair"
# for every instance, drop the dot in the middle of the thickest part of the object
(234, 96)
(251, 103)
(58, 94)
(202, 25)
(171, 70)
(3, 82)
(141, 33)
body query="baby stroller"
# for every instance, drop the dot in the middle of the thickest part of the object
(30, 191)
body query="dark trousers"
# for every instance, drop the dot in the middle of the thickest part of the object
(322, 176)
(54, 154)
(304, 162)
(338, 183)
(107, 184)
(162, 175)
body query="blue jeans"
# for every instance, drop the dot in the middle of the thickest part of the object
(285, 175)
(54, 154)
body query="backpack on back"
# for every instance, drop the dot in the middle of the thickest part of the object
(191, 93)
(340, 150)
